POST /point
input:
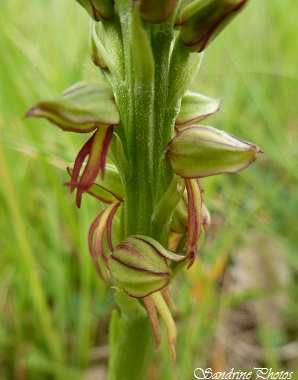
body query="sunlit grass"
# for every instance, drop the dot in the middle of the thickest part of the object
(53, 307)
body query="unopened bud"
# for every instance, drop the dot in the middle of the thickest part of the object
(98, 9)
(140, 265)
(80, 108)
(156, 11)
(96, 47)
(195, 108)
(201, 151)
(202, 20)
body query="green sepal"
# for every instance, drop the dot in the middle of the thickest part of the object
(96, 49)
(105, 45)
(137, 283)
(134, 253)
(140, 265)
(201, 151)
(126, 275)
(202, 20)
(156, 11)
(107, 189)
(196, 107)
(158, 248)
(80, 108)
(98, 9)
(138, 290)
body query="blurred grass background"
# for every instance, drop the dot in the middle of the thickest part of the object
(237, 307)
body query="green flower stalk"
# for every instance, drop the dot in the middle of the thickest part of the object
(146, 156)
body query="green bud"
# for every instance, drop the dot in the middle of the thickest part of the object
(201, 151)
(98, 9)
(140, 265)
(80, 108)
(156, 11)
(105, 46)
(196, 107)
(202, 20)
(96, 48)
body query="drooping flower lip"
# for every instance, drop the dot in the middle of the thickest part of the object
(107, 190)
(194, 193)
(84, 108)
(140, 265)
(161, 302)
(102, 224)
(96, 148)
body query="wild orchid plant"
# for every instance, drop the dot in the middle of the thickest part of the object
(146, 156)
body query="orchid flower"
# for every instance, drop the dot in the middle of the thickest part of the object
(147, 121)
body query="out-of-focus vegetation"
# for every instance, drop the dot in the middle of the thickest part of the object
(237, 307)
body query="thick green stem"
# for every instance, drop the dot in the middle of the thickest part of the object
(147, 114)
(131, 340)
(145, 130)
